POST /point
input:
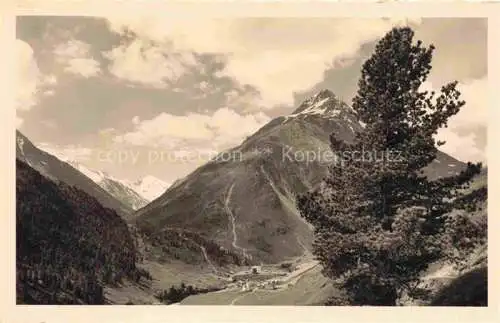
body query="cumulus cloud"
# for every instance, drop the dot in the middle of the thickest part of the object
(277, 56)
(67, 153)
(30, 82)
(475, 112)
(203, 89)
(83, 66)
(48, 93)
(220, 130)
(75, 56)
(136, 120)
(28, 76)
(466, 133)
(462, 147)
(149, 63)
(243, 100)
(19, 122)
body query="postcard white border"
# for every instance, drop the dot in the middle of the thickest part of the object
(11, 313)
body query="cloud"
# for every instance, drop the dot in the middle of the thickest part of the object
(277, 56)
(50, 79)
(462, 147)
(28, 77)
(475, 111)
(48, 93)
(149, 63)
(218, 131)
(243, 100)
(67, 153)
(203, 89)
(49, 124)
(466, 133)
(19, 122)
(83, 66)
(30, 82)
(75, 56)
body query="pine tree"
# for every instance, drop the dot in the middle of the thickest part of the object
(377, 219)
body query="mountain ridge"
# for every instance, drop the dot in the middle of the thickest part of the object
(113, 186)
(56, 170)
(132, 194)
(248, 204)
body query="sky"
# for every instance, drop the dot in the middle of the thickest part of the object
(148, 96)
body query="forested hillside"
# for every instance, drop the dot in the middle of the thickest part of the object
(68, 245)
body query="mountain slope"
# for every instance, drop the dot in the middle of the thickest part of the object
(59, 171)
(68, 246)
(245, 198)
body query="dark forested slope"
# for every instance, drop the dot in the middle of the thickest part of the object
(68, 245)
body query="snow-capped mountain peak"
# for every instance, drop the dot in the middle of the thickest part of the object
(52, 163)
(139, 192)
(324, 104)
(150, 187)
(133, 195)
(147, 188)
(117, 188)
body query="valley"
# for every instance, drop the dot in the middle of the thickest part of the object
(229, 233)
(250, 160)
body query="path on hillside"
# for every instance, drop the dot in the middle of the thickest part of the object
(204, 253)
(230, 213)
(207, 259)
(303, 268)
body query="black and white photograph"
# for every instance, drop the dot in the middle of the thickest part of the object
(251, 161)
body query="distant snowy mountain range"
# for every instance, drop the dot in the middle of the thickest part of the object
(134, 194)
(58, 171)
(149, 187)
